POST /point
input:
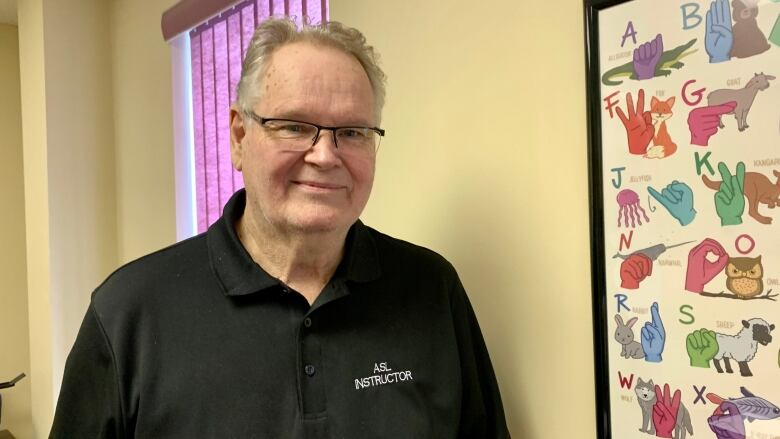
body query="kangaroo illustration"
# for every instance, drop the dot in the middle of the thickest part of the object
(743, 97)
(663, 145)
(758, 189)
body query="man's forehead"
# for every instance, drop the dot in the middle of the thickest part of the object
(303, 76)
(306, 58)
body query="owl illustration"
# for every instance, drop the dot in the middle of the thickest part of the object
(744, 277)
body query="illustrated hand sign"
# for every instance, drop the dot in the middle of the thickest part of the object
(665, 411)
(727, 422)
(730, 198)
(703, 122)
(677, 198)
(646, 58)
(718, 37)
(634, 270)
(700, 269)
(638, 124)
(702, 345)
(653, 336)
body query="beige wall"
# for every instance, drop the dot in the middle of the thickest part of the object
(143, 117)
(485, 161)
(14, 341)
(69, 178)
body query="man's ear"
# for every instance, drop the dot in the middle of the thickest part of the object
(237, 134)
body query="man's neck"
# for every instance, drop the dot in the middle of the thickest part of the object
(303, 261)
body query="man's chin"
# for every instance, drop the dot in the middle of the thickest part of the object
(320, 223)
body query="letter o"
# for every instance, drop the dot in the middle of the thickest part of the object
(740, 238)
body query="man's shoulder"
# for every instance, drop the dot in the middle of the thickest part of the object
(398, 252)
(165, 269)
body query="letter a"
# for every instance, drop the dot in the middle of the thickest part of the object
(630, 32)
(688, 15)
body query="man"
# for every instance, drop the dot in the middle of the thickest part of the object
(289, 318)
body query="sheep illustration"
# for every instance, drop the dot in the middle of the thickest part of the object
(743, 346)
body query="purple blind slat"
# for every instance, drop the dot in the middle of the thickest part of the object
(222, 95)
(294, 9)
(197, 115)
(210, 130)
(217, 48)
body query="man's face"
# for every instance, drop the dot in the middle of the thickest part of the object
(320, 189)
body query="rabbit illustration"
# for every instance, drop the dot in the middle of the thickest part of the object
(625, 336)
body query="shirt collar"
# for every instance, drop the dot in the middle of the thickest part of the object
(239, 275)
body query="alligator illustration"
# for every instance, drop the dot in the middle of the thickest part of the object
(670, 59)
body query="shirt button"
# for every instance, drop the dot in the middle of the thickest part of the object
(309, 369)
(307, 322)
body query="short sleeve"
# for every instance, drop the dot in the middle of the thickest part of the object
(89, 405)
(482, 413)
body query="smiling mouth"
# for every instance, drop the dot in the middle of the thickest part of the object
(318, 186)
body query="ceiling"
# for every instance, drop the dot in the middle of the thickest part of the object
(8, 12)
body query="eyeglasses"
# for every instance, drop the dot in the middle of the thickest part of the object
(300, 136)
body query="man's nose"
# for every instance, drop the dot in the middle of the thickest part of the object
(324, 150)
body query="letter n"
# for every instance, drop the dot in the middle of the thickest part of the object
(626, 241)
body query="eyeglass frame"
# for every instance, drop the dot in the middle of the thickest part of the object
(260, 120)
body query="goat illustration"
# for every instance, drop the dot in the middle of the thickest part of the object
(743, 97)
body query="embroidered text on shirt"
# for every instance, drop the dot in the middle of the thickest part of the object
(386, 376)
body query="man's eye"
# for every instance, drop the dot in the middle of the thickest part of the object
(292, 128)
(352, 132)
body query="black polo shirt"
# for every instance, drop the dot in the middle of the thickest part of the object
(198, 341)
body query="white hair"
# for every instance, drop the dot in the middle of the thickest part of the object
(277, 32)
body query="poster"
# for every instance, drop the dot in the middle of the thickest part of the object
(684, 113)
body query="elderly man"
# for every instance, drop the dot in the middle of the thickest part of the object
(288, 318)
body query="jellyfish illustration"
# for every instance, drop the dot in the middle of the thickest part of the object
(630, 208)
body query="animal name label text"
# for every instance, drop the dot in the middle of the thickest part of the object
(767, 162)
(733, 81)
(772, 281)
(640, 178)
(724, 324)
(640, 310)
(620, 55)
(670, 262)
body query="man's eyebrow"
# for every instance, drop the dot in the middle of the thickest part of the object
(302, 117)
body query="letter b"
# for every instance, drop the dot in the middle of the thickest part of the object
(690, 13)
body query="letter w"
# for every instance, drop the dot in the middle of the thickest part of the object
(625, 382)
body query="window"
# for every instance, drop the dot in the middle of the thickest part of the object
(216, 49)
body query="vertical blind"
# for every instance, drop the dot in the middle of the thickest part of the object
(218, 46)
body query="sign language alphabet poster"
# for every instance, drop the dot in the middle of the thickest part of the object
(684, 135)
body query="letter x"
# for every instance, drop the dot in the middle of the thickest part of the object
(700, 395)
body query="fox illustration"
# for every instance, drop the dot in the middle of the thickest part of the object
(663, 145)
